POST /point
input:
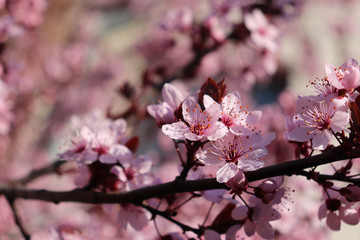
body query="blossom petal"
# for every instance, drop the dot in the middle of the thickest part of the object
(350, 216)
(301, 134)
(333, 221)
(339, 121)
(207, 157)
(240, 213)
(226, 172)
(321, 140)
(249, 228)
(172, 95)
(331, 74)
(175, 130)
(265, 230)
(211, 235)
(250, 165)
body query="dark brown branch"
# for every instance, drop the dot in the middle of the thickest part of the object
(156, 212)
(137, 196)
(325, 177)
(52, 168)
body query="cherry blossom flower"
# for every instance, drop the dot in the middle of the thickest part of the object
(28, 12)
(337, 208)
(164, 112)
(134, 172)
(216, 30)
(345, 77)
(198, 123)
(178, 19)
(96, 138)
(320, 117)
(236, 117)
(126, 214)
(236, 153)
(263, 34)
(80, 150)
(257, 216)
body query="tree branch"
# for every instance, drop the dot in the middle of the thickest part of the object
(38, 173)
(17, 218)
(137, 196)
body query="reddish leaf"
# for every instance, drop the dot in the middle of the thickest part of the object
(214, 90)
(133, 144)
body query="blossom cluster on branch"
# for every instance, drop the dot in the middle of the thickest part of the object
(217, 157)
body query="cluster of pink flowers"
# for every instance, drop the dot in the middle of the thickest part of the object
(337, 207)
(106, 160)
(322, 116)
(225, 126)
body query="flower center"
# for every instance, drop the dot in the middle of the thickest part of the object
(227, 120)
(198, 128)
(101, 149)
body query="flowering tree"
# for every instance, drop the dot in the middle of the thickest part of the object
(204, 162)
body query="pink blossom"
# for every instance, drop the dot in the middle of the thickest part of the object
(257, 218)
(236, 153)
(236, 117)
(263, 34)
(337, 208)
(28, 12)
(80, 150)
(345, 77)
(104, 145)
(134, 172)
(216, 30)
(319, 118)
(164, 112)
(178, 19)
(8, 28)
(96, 138)
(198, 123)
(125, 214)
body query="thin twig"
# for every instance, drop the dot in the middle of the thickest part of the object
(52, 168)
(17, 218)
(155, 212)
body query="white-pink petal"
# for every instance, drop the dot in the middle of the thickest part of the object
(172, 95)
(321, 140)
(207, 157)
(175, 130)
(340, 121)
(301, 134)
(226, 172)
